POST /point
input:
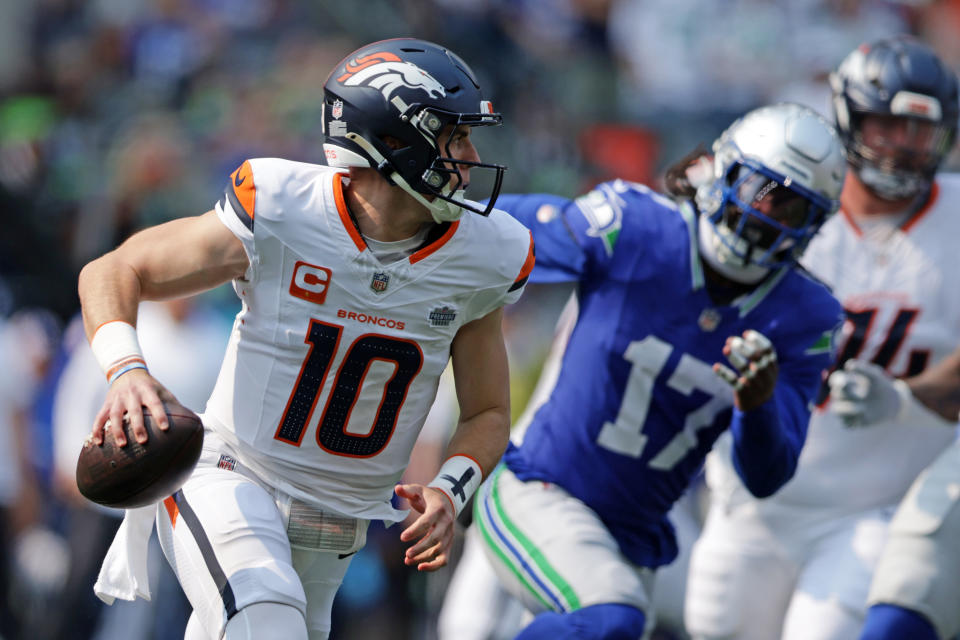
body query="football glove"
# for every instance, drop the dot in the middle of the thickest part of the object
(863, 394)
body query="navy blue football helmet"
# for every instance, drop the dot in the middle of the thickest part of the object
(409, 90)
(896, 78)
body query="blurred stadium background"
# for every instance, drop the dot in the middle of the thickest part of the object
(117, 114)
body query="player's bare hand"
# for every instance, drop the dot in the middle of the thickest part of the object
(432, 532)
(125, 400)
(756, 369)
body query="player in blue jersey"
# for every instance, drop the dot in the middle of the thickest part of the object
(798, 565)
(574, 519)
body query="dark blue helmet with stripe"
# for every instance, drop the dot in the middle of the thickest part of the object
(386, 105)
(907, 98)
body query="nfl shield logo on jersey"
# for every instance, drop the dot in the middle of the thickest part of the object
(709, 319)
(379, 282)
(337, 109)
(227, 462)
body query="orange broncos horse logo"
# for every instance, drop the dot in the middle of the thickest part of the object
(387, 72)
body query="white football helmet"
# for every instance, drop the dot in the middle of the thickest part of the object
(778, 172)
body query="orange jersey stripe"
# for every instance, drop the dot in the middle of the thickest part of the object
(172, 509)
(242, 184)
(436, 244)
(528, 264)
(853, 223)
(928, 205)
(345, 213)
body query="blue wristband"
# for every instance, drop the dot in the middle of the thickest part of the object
(137, 364)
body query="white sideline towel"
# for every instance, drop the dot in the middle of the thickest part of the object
(123, 573)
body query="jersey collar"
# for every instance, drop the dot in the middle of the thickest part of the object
(435, 240)
(907, 224)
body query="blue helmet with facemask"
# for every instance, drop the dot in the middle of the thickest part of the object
(777, 176)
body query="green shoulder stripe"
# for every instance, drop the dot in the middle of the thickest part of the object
(823, 344)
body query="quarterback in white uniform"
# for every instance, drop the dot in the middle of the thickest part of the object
(358, 282)
(798, 565)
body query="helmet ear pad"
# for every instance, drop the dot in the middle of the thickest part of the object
(404, 159)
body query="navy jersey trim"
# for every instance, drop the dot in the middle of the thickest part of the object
(568, 226)
(519, 283)
(238, 209)
(206, 550)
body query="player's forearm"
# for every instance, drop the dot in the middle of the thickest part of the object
(109, 290)
(938, 388)
(767, 444)
(481, 373)
(482, 437)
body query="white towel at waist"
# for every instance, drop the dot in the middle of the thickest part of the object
(123, 573)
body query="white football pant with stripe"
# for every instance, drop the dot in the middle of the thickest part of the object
(228, 538)
(519, 523)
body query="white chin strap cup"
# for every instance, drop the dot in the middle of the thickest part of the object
(719, 256)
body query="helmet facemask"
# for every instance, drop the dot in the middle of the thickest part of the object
(442, 179)
(777, 176)
(764, 218)
(897, 157)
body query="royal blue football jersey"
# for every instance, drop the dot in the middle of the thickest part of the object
(636, 406)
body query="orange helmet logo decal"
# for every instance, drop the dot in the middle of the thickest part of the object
(387, 72)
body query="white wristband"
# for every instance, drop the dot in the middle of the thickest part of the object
(458, 478)
(116, 347)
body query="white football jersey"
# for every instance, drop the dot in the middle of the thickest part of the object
(335, 358)
(899, 286)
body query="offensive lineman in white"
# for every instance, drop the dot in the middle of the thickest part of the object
(915, 588)
(358, 282)
(798, 565)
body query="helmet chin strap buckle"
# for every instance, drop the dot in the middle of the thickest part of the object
(387, 171)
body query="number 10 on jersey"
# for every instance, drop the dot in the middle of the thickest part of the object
(324, 341)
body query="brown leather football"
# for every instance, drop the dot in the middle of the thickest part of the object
(138, 474)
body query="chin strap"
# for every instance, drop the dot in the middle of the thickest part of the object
(441, 210)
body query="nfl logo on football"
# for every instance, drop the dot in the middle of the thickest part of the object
(379, 282)
(337, 109)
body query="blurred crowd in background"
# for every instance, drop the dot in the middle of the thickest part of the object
(119, 114)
